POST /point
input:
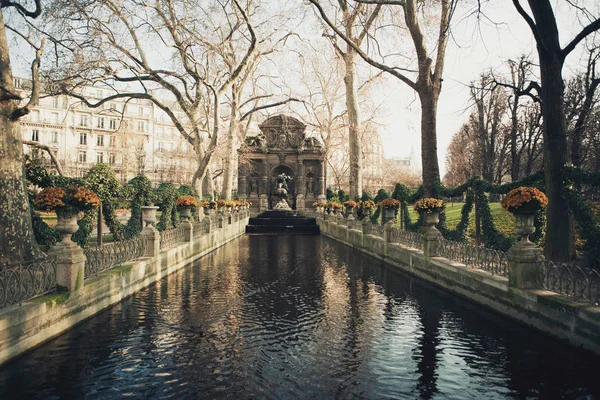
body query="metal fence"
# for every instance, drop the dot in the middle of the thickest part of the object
(199, 228)
(577, 282)
(111, 255)
(171, 237)
(377, 230)
(23, 281)
(407, 238)
(480, 257)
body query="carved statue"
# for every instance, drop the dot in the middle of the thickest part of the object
(281, 181)
(310, 185)
(253, 184)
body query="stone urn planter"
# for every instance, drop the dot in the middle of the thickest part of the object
(525, 226)
(430, 220)
(67, 222)
(185, 213)
(388, 214)
(149, 215)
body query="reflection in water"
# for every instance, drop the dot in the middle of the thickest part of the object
(298, 317)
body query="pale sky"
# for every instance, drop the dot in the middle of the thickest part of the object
(480, 49)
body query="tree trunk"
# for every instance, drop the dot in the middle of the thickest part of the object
(17, 242)
(231, 154)
(559, 230)
(354, 136)
(429, 160)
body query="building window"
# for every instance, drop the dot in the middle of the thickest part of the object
(111, 158)
(100, 140)
(113, 141)
(17, 83)
(54, 137)
(141, 110)
(55, 102)
(141, 126)
(112, 124)
(35, 135)
(83, 120)
(160, 147)
(82, 157)
(101, 122)
(99, 94)
(83, 138)
(100, 157)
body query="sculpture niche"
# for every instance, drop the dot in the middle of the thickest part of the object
(281, 191)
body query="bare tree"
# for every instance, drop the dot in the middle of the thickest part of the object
(117, 50)
(355, 21)
(425, 80)
(541, 20)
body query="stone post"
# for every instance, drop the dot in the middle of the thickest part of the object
(431, 242)
(208, 223)
(387, 235)
(219, 220)
(188, 229)
(152, 236)
(350, 220)
(70, 265)
(365, 226)
(522, 266)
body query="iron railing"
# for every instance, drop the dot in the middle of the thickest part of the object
(407, 238)
(171, 237)
(377, 230)
(490, 260)
(23, 281)
(112, 255)
(577, 282)
(199, 228)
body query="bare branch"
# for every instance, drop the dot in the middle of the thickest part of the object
(48, 150)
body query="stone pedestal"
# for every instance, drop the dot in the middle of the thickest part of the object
(522, 266)
(208, 224)
(70, 265)
(264, 203)
(431, 236)
(188, 229)
(152, 236)
(70, 258)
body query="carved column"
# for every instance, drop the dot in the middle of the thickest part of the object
(300, 189)
(321, 189)
(264, 179)
(242, 185)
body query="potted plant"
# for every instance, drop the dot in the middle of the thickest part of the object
(185, 205)
(524, 203)
(350, 206)
(389, 207)
(221, 206)
(68, 201)
(429, 208)
(366, 207)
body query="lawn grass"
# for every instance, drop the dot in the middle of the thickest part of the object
(503, 220)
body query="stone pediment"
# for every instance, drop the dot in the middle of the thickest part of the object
(283, 133)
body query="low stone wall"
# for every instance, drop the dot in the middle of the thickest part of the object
(41, 319)
(546, 311)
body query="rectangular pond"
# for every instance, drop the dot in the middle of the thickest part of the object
(288, 317)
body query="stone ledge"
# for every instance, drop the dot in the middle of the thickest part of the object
(36, 321)
(543, 310)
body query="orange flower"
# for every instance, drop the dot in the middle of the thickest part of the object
(428, 205)
(186, 201)
(524, 198)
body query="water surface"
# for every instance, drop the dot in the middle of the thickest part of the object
(299, 317)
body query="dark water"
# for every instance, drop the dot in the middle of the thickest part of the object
(299, 317)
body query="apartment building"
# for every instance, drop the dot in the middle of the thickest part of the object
(132, 136)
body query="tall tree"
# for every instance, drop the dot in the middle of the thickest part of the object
(541, 20)
(355, 21)
(16, 234)
(426, 80)
(127, 46)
